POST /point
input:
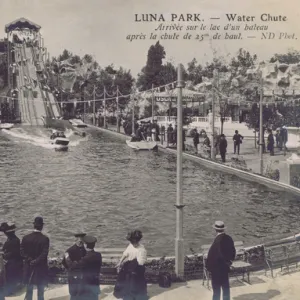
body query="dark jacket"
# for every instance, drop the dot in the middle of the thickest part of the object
(76, 253)
(14, 262)
(237, 138)
(196, 138)
(223, 145)
(90, 266)
(35, 248)
(221, 254)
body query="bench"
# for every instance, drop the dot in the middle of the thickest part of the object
(281, 254)
(238, 266)
(111, 255)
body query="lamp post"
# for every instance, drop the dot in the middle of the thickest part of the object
(118, 113)
(179, 246)
(261, 133)
(152, 103)
(133, 114)
(94, 105)
(104, 108)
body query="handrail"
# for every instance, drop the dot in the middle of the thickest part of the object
(22, 82)
(34, 59)
(28, 76)
(39, 84)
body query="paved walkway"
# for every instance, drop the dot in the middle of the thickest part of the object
(248, 153)
(282, 287)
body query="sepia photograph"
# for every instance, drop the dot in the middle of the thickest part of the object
(149, 150)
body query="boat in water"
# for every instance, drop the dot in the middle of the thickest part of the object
(78, 123)
(6, 126)
(59, 140)
(142, 145)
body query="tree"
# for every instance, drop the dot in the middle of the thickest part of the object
(150, 74)
(194, 72)
(231, 81)
(292, 57)
(65, 55)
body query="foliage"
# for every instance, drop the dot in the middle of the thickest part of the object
(90, 73)
(292, 57)
(194, 72)
(151, 73)
(271, 172)
(227, 81)
(274, 116)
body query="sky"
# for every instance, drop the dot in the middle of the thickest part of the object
(100, 27)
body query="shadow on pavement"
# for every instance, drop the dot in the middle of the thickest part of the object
(258, 296)
(155, 289)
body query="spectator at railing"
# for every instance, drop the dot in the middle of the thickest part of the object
(12, 257)
(131, 282)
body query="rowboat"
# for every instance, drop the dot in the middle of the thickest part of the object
(142, 145)
(6, 126)
(77, 123)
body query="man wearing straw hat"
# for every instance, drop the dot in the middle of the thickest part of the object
(34, 250)
(219, 259)
(12, 258)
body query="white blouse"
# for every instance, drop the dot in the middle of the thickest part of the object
(138, 253)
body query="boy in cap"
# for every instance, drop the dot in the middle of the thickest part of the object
(75, 254)
(219, 259)
(34, 250)
(90, 266)
(12, 257)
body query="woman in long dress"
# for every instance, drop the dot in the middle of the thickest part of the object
(131, 283)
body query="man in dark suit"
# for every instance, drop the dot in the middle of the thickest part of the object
(75, 254)
(90, 266)
(34, 250)
(12, 258)
(219, 259)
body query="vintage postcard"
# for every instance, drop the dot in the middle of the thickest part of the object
(149, 149)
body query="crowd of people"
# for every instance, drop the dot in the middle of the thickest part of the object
(145, 131)
(26, 262)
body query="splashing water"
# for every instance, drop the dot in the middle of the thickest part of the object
(40, 137)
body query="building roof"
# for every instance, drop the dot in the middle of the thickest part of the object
(21, 23)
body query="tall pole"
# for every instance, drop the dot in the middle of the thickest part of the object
(152, 103)
(118, 113)
(104, 108)
(84, 104)
(179, 246)
(94, 105)
(133, 114)
(261, 133)
(213, 156)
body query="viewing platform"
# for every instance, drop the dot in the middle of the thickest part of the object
(282, 287)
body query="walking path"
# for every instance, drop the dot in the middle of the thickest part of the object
(248, 153)
(282, 287)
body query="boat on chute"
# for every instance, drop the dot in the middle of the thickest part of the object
(59, 140)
